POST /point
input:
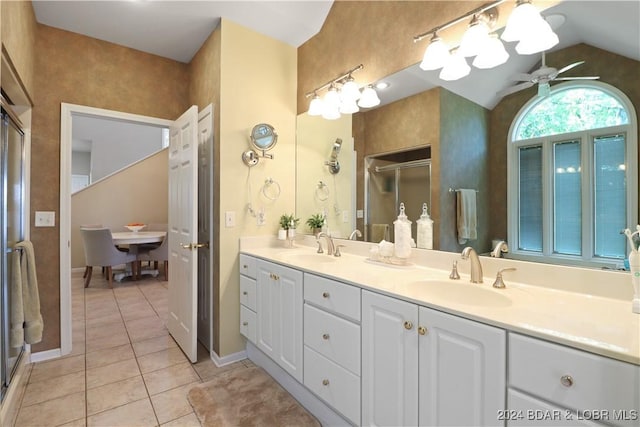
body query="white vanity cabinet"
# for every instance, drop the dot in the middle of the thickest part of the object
(279, 315)
(248, 296)
(424, 367)
(332, 343)
(576, 387)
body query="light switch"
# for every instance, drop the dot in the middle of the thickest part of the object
(359, 214)
(230, 219)
(345, 216)
(45, 219)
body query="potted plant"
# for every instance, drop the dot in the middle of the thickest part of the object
(316, 222)
(288, 224)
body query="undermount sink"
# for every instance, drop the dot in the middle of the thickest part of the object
(464, 293)
(305, 257)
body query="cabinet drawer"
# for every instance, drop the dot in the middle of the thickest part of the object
(248, 292)
(572, 378)
(248, 266)
(333, 384)
(333, 296)
(525, 410)
(333, 337)
(248, 323)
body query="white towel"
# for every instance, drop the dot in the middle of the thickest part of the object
(33, 323)
(466, 215)
(16, 334)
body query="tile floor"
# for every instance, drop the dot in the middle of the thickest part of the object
(124, 370)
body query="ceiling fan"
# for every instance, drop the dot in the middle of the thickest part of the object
(542, 76)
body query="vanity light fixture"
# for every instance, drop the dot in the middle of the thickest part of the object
(456, 67)
(343, 97)
(525, 25)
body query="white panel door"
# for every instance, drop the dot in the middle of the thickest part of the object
(389, 361)
(462, 371)
(289, 293)
(183, 232)
(205, 233)
(268, 305)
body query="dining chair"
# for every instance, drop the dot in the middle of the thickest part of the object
(159, 254)
(99, 249)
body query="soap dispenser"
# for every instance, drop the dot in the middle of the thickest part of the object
(425, 230)
(402, 234)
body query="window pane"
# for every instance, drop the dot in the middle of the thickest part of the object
(567, 199)
(610, 196)
(571, 110)
(530, 199)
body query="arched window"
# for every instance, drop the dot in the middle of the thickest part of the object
(573, 175)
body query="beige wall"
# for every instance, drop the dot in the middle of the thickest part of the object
(315, 137)
(138, 193)
(613, 69)
(251, 95)
(80, 70)
(18, 33)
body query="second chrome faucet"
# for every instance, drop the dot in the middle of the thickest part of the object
(476, 268)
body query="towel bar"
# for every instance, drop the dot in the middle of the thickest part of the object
(451, 190)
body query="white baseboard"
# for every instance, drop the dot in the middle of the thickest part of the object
(229, 359)
(11, 404)
(325, 415)
(41, 356)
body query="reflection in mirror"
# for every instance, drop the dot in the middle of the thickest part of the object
(318, 189)
(102, 146)
(263, 137)
(391, 179)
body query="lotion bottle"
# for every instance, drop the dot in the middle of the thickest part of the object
(425, 230)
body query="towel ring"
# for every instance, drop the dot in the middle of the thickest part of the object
(322, 191)
(275, 193)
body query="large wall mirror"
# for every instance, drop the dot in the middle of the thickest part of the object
(101, 146)
(466, 124)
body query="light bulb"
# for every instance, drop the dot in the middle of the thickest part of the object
(475, 38)
(436, 54)
(369, 98)
(331, 112)
(348, 106)
(315, 106)
(350, 89)
(492, 55)
(519, 24)
(332, 98)
(542, 38)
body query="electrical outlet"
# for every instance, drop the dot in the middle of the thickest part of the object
(345, 216)
(45, 219)
(359, 214)
(261, 218)
(230, 219)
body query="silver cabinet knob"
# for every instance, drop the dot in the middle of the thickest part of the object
(325, 295)
(566, 380)
(325, 336)
(325, 382)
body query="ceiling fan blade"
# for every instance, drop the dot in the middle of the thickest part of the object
(514, 89)
(521, 77)
(577, 78)
(570, 66)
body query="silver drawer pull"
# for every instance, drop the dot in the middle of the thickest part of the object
(245, 323)
(325, 336)
(566, 380)
(325, 295)
(325, 382)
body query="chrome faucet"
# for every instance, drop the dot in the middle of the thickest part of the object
(501, 247)
(476, 268)
(330, 245)
(355, 233)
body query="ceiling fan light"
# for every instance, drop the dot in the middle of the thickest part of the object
(522, 18)
(456, 68)
(492, 55)
(350, 90)
(436, 54)
(474, 38)
(369, 98)
(315, 106)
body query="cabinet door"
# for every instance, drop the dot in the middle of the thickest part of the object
(389, 361)
(288, 284)
(462, 371)
(279, 314)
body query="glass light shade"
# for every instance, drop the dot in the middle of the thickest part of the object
(474, 39)
(542, 39)
(332, 98)
(369, 98)
(519, 24)
(348, 106)
(331, 112)
(492, 55)
(315, 106)
(436, 54)
(456, 68)
(350, 90)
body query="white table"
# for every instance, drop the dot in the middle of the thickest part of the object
(133, 238)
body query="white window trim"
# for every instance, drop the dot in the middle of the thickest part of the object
(631, 131)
